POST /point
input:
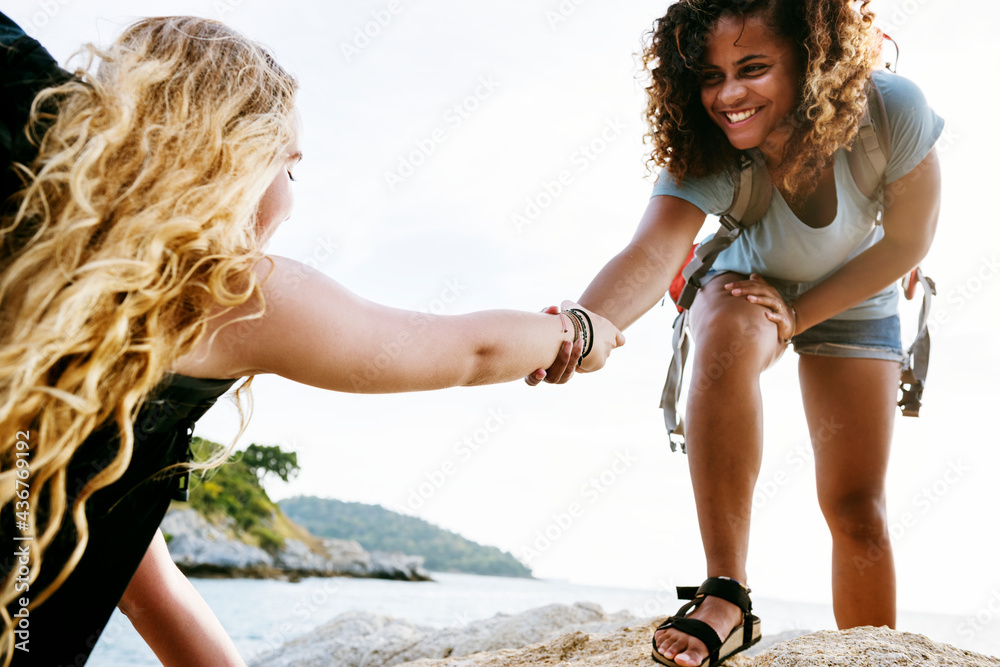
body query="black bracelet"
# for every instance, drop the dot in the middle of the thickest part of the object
(588, 340)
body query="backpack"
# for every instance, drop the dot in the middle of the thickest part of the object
(25, 69)
(868, 159)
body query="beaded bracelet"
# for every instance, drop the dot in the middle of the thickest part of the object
(579, 330)
(577, 324)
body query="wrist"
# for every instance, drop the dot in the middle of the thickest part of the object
(794, 313)
(577, 323)
(566, 326)
(588, 330)
(572, 326)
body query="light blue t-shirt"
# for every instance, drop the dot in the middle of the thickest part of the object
(786, 250)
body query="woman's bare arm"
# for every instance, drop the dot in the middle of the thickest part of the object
(912, 206)
(637, 277)
(317, 332)
(171, 616)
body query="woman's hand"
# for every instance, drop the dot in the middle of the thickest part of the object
(564, 366)
(606, 338)
(759, 291)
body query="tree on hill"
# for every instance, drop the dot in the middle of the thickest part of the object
(264, 459)
(234, 489)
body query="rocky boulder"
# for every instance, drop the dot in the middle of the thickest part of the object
(361, 638)
(194, 541)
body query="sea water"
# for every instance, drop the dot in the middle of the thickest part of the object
(263, 614)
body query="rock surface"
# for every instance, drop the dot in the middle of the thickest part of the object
(869, 647)
(631, 646)
(361, 638)
(584, 636)
(202, 549)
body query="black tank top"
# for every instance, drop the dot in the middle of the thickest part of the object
(122, 519)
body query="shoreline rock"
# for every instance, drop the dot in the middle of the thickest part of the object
(201, 549)
(355, 638)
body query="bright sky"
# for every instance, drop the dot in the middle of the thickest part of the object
(476, 108)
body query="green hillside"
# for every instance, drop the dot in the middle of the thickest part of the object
(233, 490)
(379, 529)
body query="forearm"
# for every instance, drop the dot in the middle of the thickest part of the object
(630, 284)
(172, 618)
(502, 345)
(910, 222)
(860, 279)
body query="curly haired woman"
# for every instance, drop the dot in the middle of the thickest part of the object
(784, 80)
(135, 291)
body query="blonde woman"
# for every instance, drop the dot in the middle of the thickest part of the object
(134, 292)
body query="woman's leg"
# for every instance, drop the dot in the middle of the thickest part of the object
(850, 405)
(734, 343)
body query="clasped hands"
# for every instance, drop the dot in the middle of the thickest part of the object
(606, 338)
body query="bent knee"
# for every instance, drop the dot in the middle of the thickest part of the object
(859, 516)
(723, 323)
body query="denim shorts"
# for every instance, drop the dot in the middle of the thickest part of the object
(865, 339)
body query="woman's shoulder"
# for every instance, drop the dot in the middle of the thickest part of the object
(712, 193)
(914, 127)
(899, 92)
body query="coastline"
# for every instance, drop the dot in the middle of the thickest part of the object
(292, 575)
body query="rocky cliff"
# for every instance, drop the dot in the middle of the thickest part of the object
(201, 548)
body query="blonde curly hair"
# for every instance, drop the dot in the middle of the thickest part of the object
(136, 218)
(837, 47)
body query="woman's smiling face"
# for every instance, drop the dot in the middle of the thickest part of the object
(750, 83)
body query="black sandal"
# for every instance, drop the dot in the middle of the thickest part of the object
(742, 636)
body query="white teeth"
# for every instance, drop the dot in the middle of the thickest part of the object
(742, 115)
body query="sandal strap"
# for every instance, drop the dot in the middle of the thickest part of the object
(698, 629)
(720, 587)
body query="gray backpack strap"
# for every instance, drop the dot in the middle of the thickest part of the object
(751, 198)
(918, 356)
(675, 377)
(870, 151)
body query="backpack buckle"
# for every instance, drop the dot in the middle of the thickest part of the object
(729, 222)
(913, 392)
(182, 487)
